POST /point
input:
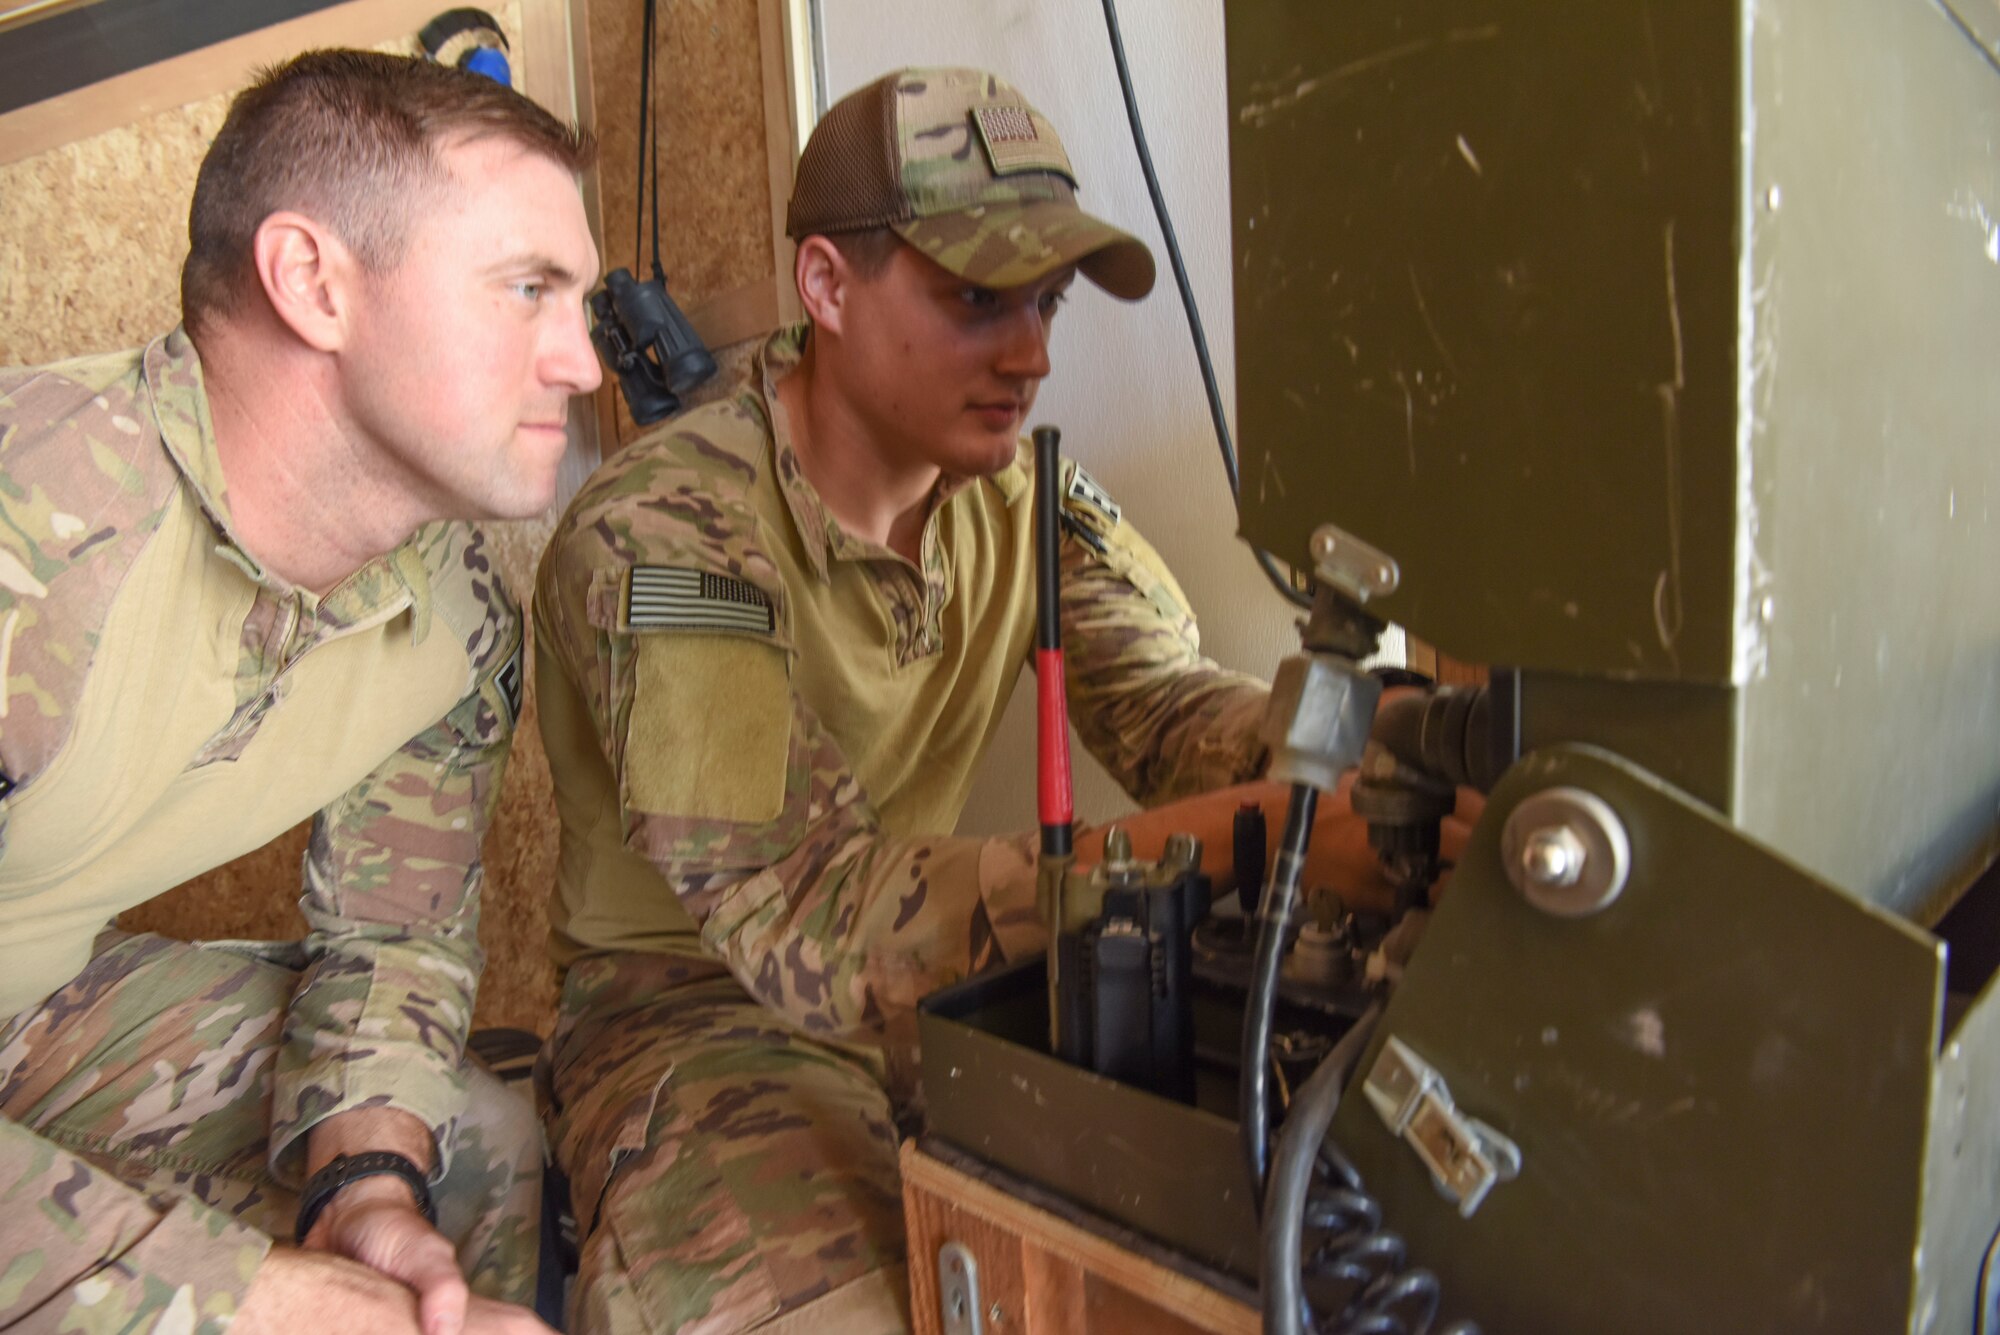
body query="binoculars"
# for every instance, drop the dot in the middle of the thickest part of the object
(648, 344)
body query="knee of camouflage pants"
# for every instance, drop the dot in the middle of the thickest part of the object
(729, 1174)
(155, 1063)
(489, 1201)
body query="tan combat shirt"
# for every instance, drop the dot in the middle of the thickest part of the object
(759, 724)
(170, 705)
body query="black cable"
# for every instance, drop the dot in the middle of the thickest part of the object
(645, 101)
(1355, 1261)
(1215, 412)
(653, 144)
(1306, 1125)
(1274, 918)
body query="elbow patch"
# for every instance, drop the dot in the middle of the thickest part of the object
(709, 733)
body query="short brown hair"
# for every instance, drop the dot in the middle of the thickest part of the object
(350, 139)
(867, 251)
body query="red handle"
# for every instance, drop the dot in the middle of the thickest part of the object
(1052, 789)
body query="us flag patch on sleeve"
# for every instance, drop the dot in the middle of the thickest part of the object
(671, 598)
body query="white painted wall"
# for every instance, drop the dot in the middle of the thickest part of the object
(1126, 389)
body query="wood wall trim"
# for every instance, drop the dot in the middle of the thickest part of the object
(781, 137)
(604, 403)
(27, 11)
(544, 68)
(92, 110)
(553, 68)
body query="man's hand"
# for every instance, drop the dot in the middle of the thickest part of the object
(375, 1221)
(1339, 860)
(316, 1293)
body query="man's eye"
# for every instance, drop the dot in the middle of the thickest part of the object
(530, 289)
(979, 298)
(1052, 300)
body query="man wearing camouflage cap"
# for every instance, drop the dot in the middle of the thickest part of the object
(225, 606)
(773, 640)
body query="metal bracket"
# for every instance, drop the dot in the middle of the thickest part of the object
(1353, 566)
(1466, 1157)
(958, 1290)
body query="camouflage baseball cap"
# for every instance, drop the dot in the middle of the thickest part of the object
(958, 164)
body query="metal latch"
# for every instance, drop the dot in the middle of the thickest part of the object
(1465, 1156)
(958, 1290)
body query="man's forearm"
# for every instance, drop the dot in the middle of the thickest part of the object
(362, 1130)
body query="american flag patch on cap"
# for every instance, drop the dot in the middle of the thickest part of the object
(1003, 123)
(1018, 139)
(670, 598)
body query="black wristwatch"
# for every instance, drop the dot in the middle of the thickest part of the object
(346, 1168)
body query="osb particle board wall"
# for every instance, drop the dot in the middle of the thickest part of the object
(722, 119)
(92, 234)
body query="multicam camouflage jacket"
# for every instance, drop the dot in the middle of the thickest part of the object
(169, 704)
(762, 729)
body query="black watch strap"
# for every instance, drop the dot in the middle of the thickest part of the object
(346, 1168)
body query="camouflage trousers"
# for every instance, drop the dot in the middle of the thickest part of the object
(154, 1066)
(728, 1172)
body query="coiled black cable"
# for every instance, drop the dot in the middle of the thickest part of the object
(1316, 1192)
(1215, 413)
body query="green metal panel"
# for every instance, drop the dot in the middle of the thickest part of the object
(1485, 315)
(1962, 1172)
(992, 1089)
(1720, 1086)
(1870, 737)
(1657, 344)
(1682, 731)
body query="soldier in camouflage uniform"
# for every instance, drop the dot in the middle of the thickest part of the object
(772, 642)
(225, 607)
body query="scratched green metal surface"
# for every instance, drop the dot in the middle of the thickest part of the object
(1656, 344)
(1720, 1086)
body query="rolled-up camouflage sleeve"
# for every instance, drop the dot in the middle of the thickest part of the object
(102, 1256)
(392, 887)
(1166, 721)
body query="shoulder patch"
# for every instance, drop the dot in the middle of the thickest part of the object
(680, 598)
(509, 680)
(1083, 490)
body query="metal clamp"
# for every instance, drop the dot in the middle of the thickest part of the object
(1351, 565)
(958, 1290)
(1466, 1157)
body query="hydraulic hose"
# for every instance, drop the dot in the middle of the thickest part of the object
(1274, 926)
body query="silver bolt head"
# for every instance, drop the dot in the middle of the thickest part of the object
(1117, 845)
(1553, 856)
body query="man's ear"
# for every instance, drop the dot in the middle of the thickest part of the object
(823, 279)
(304, 271)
